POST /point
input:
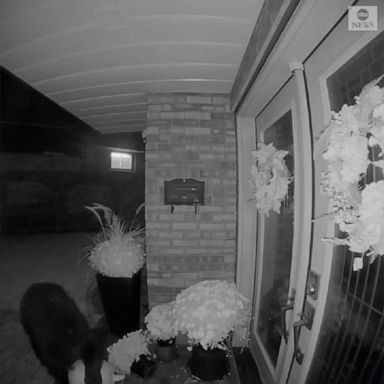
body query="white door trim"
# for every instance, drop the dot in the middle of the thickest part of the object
(310, 22)
(247, 218)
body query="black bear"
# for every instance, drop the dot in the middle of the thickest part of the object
(59, 333)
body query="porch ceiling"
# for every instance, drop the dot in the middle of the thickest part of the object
(99, 58)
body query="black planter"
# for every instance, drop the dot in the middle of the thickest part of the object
(121, 301)
(166, 342)
(211, 364)
(144, 367)
(166, 350)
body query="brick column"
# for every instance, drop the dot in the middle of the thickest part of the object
(190, 136)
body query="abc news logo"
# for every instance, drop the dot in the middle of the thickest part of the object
(362, 18)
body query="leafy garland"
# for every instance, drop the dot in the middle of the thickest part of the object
(357, 208)
(269, 178)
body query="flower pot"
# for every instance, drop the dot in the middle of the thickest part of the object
(166, 350)
(144, 367)
(121, 302)
(208, 364)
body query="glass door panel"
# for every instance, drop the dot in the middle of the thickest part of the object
(277, 252)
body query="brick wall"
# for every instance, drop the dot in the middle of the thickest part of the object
(189, 136)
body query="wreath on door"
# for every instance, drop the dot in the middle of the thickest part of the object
(355, 205)
(270, 178)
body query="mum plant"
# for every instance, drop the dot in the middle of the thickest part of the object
(208, 311)
(160, 322)
(269, 178)
(117, 252)
(357, 203)
(128, 350)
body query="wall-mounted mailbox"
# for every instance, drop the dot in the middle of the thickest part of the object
(184, 192)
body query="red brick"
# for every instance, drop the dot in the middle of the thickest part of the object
(221, 100)
(199, 99)
(159, 107)
(198, 115)
(197, 131)
(187, 226)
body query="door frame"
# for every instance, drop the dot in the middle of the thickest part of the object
(311, 21)
(273, 75)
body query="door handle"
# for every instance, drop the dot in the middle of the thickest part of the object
(306, 321)
(299, 356)
(284, 310)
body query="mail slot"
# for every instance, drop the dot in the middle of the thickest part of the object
(184, 192)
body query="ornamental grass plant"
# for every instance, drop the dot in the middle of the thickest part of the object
(118, 251)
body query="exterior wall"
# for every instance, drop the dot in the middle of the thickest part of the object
(42, 192)
(190, 136)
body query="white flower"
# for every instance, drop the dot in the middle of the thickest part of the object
(128, 350)
(378, 111)
(358, 211)
(269, 177)
(347, 152)
(377, 130)
(372, 218)
(215, 307)
(161, 322)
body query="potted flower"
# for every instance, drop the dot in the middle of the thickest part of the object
(118, 256)
(207, 312)
(131, 354)
(161, 326)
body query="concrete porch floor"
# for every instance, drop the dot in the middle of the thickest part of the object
(59, 258)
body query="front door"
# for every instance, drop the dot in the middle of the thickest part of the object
(346, 341)
(283, 238)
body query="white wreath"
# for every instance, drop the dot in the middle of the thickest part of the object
(269, 178)
(359, 212)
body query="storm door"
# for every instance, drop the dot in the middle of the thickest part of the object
(282, 238)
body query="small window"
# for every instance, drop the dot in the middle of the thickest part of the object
(121, 161)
